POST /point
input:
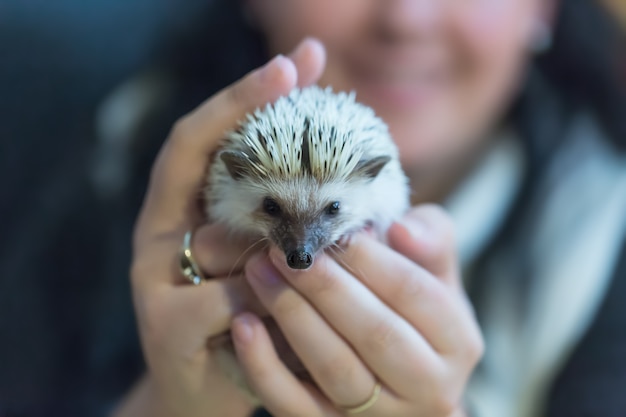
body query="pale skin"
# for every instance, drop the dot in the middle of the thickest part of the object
(400, 318)
(394, 314)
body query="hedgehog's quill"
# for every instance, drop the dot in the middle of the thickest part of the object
(306, 172)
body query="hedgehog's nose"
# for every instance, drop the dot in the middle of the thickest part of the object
(299, 259)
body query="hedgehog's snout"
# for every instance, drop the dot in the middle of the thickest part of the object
(299, 259)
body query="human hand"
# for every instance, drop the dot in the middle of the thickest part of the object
(371, 314)
(177, 319)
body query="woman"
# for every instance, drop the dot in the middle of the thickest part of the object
(530, 211)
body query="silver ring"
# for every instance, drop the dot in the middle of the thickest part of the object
(188, 266)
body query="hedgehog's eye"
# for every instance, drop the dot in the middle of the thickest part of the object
(333, 208)
(271, 207)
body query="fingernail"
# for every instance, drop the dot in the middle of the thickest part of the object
(242, 328)
(266, 70)
(264, 272)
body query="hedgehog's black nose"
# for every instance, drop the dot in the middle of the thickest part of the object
(299, 259)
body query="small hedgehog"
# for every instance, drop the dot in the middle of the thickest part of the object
(306, 172)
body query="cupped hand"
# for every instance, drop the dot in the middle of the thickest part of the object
(371, 314)
(175, 318)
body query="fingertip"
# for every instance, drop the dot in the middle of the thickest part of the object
(433, 218)
(397, 232)
(261, 86)
(403, 239)
(426, 236)
(244, 327)
(261, 273)
(277, 257)
(309, 58)
(315, 51)
(281, 73)
(410, 228)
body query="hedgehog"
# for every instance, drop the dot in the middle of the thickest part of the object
(306, 172)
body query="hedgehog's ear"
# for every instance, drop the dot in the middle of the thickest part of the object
(370, 168)
(237, 164)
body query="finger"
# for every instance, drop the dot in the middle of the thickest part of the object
(219, 253)
(426, 236)
(310, 60)
(389, 345)
(170, 205)
(279, 390)
(429, 305)
(181, 164)
(179, 170)
(185, 316)
(332, 363)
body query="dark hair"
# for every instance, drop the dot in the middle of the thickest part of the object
(587, 63)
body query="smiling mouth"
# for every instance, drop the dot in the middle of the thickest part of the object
(402, 79)
(400, 83)
(398, 93)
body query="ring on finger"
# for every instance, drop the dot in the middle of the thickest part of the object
(367, 403)
(188, 266)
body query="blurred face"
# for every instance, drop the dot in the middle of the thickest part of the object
(439, 72)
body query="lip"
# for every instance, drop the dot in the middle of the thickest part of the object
(396, 95)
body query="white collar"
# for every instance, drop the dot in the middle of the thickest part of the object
(572, 233)
(481, 203)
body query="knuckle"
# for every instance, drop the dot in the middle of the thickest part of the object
(410, 287)
(475, 348)
(421, 370)
(286, 307)
(237, 95)
(440, 295)
(181, 129)
(444, 403)
(430, 294)
(153, 316)
(384, 334)
(438, 219)
(472, 349)
(337, 371)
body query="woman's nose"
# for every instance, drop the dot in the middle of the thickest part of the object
(410, 18)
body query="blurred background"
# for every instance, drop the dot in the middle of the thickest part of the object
(58, 61)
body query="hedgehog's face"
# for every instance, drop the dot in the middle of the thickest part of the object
(300, 214)
(302, 217)
(301, 228)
